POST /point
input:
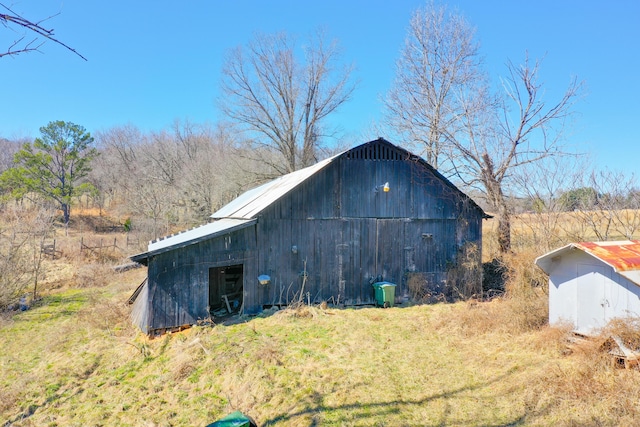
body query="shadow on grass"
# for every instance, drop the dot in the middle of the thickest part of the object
(374, 411)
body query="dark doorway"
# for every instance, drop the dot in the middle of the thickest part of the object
(225, 290)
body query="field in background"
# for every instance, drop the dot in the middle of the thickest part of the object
(543, 232)
(74, 359)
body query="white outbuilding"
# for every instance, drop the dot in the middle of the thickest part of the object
(591, 283)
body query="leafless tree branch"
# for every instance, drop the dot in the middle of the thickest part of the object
(281, 100)
(10, 19)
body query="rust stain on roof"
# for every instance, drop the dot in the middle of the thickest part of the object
(622, 255)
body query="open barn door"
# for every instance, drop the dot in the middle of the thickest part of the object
(226, 290)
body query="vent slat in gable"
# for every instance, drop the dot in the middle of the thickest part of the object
(375, 151)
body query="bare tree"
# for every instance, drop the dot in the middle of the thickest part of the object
(484, 137)
(176, 176)
(22, 233)
(209, 179)
(544, 222)
(521, 129)
(610, 209)
(282, 101)
(8, 149)
(22, 26)
(438, 63)
(131, 169)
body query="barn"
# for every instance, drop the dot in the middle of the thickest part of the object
(591, 283)
(326, 233)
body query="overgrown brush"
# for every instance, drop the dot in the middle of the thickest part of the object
(507, 314)
(513, 274)
(23, 231)
(108, 315)
(94, 275)
(522, 275)
(589, 381)
(515, 298)
(626, 329)
(464, 280)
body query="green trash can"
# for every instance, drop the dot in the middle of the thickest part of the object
(234, 419)
(385, 293)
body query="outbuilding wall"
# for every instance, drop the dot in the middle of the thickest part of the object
(178, 280)
(587, 293)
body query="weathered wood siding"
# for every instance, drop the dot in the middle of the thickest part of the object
(352, 188)
(178, 280)
(347, 232)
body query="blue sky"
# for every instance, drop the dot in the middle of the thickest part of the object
(152, 62)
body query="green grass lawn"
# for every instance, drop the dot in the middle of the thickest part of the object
(74, 360)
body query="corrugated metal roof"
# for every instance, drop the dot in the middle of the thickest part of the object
(252, 202)
(623, 256)
(194, 235)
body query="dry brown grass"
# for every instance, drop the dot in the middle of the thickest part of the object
(590, 387)
(546, 231)
(94, 275)
(627, 329)
(469, 363)
(507, 315)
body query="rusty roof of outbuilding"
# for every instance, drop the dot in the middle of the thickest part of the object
(623, 256)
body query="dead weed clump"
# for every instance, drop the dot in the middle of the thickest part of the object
(268, 352)
(107, 315)
(556, 339)
(300, 310)
(518, 304)
(464, 278)
(527, 312)
(183, 367)
(589, 382)
(94, 275)
(627, 330)
(589, 378)
(12, 394)
(521, 273)
(504, 315)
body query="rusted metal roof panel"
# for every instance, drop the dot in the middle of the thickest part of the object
(622, 256)
(252, 202)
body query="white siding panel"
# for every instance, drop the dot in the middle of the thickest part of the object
(592, 288)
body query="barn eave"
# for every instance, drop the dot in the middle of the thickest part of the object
(193, 236)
